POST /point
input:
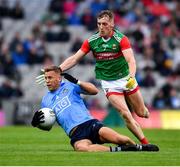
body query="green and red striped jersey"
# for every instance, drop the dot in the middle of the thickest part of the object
(110, 62)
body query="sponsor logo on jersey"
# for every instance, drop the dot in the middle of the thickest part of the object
(106, 55)
(61, 105)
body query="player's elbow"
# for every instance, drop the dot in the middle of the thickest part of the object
(94, 91)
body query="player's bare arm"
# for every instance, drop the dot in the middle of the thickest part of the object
(129, 56)
(67, 64)
(88, 87)
(72, 60)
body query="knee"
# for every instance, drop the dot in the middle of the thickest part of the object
(143, 112)
(127, 116)
(81, 147)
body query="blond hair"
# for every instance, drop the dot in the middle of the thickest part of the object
(106, 13)
(56, 69)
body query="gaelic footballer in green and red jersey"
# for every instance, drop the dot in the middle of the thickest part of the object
(110, 62)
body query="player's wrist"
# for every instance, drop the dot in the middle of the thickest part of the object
(78, 82)
(60, 69)
(132, 75)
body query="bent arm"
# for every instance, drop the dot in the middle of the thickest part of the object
(129, 56)
(88, 87)
(72, 60)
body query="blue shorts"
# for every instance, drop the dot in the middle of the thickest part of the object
(87, 130)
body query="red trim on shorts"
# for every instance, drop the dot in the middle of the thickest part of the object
(114, 93)
(133, 91)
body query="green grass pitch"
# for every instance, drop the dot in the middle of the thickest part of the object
(33, 147)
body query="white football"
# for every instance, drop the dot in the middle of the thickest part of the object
(49, 119)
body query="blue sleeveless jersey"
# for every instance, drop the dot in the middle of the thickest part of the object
(68, 105)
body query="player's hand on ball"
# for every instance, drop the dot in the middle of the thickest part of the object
(70, 78)
(131, 82)
(37, 118)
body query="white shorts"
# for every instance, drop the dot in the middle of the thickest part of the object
(118, 87)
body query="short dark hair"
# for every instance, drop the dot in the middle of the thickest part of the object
(53, 68)
(105, 13)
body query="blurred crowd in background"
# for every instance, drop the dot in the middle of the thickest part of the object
(153, 27)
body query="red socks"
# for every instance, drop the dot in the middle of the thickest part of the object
(144, 141)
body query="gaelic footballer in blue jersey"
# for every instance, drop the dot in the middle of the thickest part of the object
(85, 132)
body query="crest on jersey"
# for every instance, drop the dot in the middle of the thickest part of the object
(65, 91)
(114, 46)
(105, 46)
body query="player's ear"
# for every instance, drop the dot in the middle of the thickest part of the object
(112, 24)
(59, 78)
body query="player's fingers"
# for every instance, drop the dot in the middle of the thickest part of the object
(41, 117)
(40, 112)
(40, 79)
(41, 121)
(40, 82)
(40, 76)
(44, 84)
(42, 70)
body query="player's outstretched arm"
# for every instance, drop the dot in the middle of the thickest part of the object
(72, 60)
(86, 86)
(67, 64)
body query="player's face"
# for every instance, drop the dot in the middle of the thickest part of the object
(105, 26)
(52, 80)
